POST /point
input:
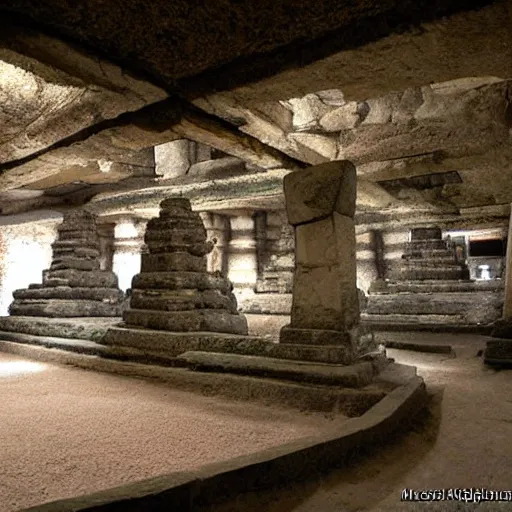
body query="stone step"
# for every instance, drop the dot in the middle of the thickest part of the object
(370, 319)
(415, 245)
(430, 323)
(173, 344)
(199, 320)
(351, 402)
(447, 262)
(428, 253)
(446, 273)
(489, 305)
(80, 278)
(68, 293)
(435, 286)
(84, 328)
(64, 308)
(266, 303)
(352, 376)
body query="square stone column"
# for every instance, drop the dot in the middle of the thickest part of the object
(503, 326)
(320, 205)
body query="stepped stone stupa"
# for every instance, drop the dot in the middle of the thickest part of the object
(74, 285)
(432, 290)
(174, 292)
(428, 257)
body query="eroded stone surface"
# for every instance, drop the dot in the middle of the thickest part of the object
(74, 285)
(174, 292)
(317, 192)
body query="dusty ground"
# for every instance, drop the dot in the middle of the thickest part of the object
(66, 431)
(463, 441)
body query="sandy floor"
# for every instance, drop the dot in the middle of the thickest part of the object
(66, 431)
(464, 441)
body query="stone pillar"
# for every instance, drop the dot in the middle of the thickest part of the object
(174, 292)
(74, 285)
(503, 326)
(377, 246)
(106, 234)
(128, 243)
(217, 230)
(507, 304)
(320, 204)
(260, 235)
(242, 256)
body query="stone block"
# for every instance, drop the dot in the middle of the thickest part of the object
(180, 280)
(502, 329)
(179, 261)
(353, 376)
(323, 337)
(430, 233)
(171, 223)
(499, 352)
(187, 321)
(74, 263)
(64, 308)
(345, 117)
(315, 193)
(80, 278)
(175, 202)
(85, 243)
(164, 246)
(181, 300)
(324, 298)
(316, 244)
(68, 293)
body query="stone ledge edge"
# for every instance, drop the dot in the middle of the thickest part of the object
(280, 465)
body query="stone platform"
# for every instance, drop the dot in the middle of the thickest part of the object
(303, 376)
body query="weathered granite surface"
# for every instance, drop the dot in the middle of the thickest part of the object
(74, 285)
(174, 292)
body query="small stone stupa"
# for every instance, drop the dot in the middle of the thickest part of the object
(428, 257)
(432, 291)
(174, 291)
(74, 285)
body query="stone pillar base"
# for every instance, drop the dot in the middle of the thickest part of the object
(358, 342)
(295, 336)
(197, 320)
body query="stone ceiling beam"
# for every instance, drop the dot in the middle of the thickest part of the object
(131, 132)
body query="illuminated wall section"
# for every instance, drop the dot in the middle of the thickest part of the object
(25, 252)
(128, 242)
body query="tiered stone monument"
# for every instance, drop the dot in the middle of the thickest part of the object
(428, 257)
(320, 204)
(74, 285)
(432, 290)
(174, 292)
